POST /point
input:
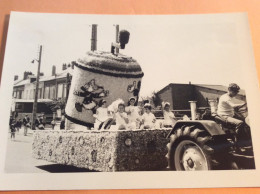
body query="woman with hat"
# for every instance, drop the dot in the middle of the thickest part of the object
(169, 118)
(133, 113)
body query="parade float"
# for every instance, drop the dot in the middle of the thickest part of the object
(196, 144)
(102, 76)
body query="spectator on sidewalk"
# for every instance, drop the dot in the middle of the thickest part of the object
(13, 130)
(62, 124)
(53, 123)
(18, 125)
(26, 124)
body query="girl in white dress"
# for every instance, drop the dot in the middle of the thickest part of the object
(148, 118)
(101, 115)
(169, 118)
(133, 114)
(121, 118)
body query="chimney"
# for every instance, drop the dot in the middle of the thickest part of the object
(94, 37)
(53, 73)
(16, 77)
(64, 66)
(26, 74)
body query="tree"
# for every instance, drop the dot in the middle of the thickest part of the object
(156, 99)
(57, 104)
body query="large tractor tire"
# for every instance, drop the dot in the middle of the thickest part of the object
(191, 148)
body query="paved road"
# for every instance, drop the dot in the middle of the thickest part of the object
(19, 158)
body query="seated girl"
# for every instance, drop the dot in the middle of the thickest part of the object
(133, 114)
(121, 118)
(169, 118)
(148, 118)
(101, 116)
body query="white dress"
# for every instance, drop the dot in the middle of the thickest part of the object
(120, 120)
(169, 118)
(133, 115)
(101, 116)
(149, 119)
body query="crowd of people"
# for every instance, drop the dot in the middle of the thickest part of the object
(15, 125)
(131, 116)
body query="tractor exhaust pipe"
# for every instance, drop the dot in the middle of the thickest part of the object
(193, 109)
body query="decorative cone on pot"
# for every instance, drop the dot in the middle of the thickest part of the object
(102, 76)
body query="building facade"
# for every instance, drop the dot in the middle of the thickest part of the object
(179, 95)
(51, 88)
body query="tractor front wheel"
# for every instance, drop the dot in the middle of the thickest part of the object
(191, 148)
(189, 155)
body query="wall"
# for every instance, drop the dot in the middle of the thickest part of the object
(103, 150)
(202, 94)
(182, 94)
(166, 95)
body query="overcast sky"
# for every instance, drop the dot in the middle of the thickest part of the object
(203, 49)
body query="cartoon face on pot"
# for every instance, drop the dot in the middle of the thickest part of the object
(92, 94)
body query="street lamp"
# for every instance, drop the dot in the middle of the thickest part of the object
(36, 88)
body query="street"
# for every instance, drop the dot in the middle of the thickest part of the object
(19, 158)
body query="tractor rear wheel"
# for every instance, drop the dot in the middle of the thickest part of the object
(191, 148)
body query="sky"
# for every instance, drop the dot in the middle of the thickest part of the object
(201, 49)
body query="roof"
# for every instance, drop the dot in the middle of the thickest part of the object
(63, 74)
(213, 87)
(22, 82)
(219, 88)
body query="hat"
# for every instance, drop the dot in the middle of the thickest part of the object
(147, 105)
(164, 104)
(233, 87)
(132, 98)
(101, 102)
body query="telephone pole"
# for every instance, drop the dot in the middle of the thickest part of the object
(36, 89)
(117, 37)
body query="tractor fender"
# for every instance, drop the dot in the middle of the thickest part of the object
(210, 126)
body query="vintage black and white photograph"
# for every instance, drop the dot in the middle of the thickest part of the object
(90, 94)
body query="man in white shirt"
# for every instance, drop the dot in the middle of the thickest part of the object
(227, 104)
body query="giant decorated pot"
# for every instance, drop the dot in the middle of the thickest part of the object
(101, 76)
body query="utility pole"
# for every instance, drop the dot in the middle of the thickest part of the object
(94, 37)
(117, 37)
(36, 89)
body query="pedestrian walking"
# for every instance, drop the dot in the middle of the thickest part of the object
(53, 123)
(62, 124)
(18, 125)
(26, 124)
(13, 130)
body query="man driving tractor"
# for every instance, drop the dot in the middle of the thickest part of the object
(227, 105)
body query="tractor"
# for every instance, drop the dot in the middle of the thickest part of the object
(210, 144)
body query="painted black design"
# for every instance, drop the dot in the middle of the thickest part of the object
(92, 94)
(135, 89)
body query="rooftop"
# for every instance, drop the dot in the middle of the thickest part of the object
(213, 87)
(63, 74)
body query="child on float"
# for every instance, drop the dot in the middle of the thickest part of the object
(169, 117)
(101, 115)
(133, 114)
(148, 118)
(120, 117)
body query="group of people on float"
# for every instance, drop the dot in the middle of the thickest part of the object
(131, 116)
